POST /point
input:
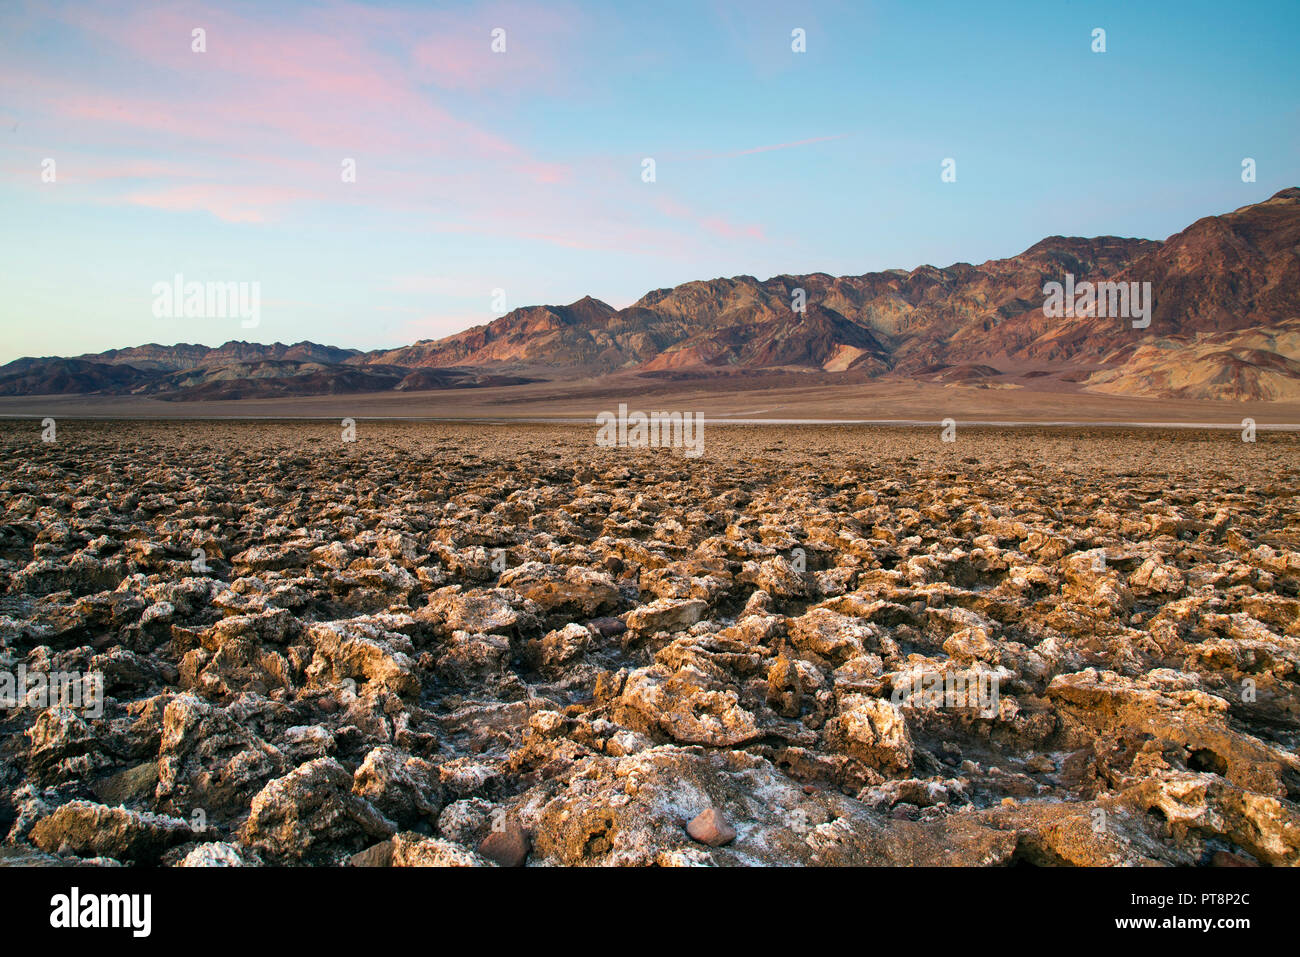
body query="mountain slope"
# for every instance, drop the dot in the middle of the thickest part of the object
(185, 355)
(67, 376)
(1226, 296)
(1259, 363)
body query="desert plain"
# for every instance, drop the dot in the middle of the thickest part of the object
(473, 643)
(767, 397)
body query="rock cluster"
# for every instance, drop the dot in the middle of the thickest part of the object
(449, 645)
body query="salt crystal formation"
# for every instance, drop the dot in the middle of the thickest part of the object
(471, 645)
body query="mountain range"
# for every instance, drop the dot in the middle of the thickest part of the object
(1225, 325)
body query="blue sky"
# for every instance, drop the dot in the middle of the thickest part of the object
(521, 170)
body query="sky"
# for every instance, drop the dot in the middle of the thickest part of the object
(489, 179)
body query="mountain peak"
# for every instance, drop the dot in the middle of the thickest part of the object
(591, 302)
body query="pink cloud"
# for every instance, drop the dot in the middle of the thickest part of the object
(275, 82)
(259, 123)
(712, 223)
(231, 204)
(722, 227)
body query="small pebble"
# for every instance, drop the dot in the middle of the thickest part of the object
(711, 828)
(507, 847)
(607, 627)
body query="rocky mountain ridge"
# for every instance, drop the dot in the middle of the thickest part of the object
(1226, 295)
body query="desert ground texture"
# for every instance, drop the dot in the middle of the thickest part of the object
(772, 398)
(475, 644)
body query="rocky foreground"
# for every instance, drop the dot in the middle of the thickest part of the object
(447, 644)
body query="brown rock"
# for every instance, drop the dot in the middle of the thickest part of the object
(711, 828)
(665, 614)
(418, 850)
(93, 830)
(784, 689)
(607, 627)
(506, 847)
(377, 855)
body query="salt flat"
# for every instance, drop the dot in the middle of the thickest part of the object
(775, 399)
(464, 643)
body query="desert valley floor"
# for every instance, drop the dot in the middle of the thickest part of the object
(799, 397)
(460, 643)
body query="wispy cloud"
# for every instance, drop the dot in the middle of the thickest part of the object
(258, 124)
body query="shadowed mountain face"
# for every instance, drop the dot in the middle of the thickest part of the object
(65, 376)
(188, 356)
(1226, 294)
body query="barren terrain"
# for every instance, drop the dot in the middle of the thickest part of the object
(468, 644)
(797, 396)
